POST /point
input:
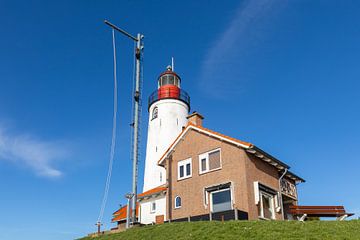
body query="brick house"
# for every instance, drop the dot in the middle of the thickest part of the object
(210, 176)
(209, 173)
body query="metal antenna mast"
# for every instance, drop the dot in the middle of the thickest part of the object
(136, 116)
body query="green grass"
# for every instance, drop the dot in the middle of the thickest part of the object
(243, 230)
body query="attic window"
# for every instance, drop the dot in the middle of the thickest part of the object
(210, 161)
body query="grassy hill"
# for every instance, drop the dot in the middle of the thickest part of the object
(243, 230)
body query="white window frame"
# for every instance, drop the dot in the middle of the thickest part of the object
(221, 190)
(152, 210)
(206, 156)
(176, 207)
(184, 163)
(258, 201)
(272, 197)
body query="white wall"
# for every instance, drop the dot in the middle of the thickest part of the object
(162, 131)
(146, 216)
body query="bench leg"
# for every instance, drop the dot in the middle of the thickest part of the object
(341, 218)
(302, 218)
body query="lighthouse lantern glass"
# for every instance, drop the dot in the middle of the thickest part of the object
(169, 79)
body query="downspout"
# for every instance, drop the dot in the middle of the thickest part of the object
(281, 200)
(169, 189)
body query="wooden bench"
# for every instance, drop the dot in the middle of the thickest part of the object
(301, 212)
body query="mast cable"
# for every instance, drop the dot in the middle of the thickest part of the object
(113, 138)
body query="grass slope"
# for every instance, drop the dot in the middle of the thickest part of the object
(243, 230)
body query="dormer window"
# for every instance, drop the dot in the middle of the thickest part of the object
(154, 113)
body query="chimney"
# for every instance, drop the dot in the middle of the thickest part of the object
(195, 118)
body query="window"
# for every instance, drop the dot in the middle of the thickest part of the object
(221, 200)
(153, 207)
(154, 113)
(177, 202)
(266, 199)
(184, 169)
(210, 161)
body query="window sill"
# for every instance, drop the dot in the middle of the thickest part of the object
(213, 170)
(266, 219)
(180, 179)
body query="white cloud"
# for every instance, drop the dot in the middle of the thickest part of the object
(231, 48)
(28, 151)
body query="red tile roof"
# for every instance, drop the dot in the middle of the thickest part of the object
(153, 191)
(120, 214)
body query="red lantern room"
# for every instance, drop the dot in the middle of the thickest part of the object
(168, 84)
(169, 88)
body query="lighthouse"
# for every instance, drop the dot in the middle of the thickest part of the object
(168, 107)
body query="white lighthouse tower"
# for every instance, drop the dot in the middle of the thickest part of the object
(169, 106)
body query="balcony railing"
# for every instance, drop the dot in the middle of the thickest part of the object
(169, 94)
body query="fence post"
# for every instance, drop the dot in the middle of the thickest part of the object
(210, 216)
(188, 218)
(236, 214)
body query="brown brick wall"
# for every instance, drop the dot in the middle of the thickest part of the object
(238, 167)
(258, 170)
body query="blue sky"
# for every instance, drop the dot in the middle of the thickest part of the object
(283, 75)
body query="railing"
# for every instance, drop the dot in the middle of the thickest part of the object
(169, 94)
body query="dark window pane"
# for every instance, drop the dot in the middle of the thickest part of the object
(178, 202)
(203, 164)
(221, 201)
(188, 169)
(214, 160)
(181, 171)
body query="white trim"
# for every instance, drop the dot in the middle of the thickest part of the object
(184, 163)
(256, 193)
(272, 205)
(167, 153)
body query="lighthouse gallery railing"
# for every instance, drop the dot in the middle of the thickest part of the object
(169, 94)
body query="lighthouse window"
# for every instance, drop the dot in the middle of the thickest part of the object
(154, 113)
(171, 79)
(184, 169)
(165, 80)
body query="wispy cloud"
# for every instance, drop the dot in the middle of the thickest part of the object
(28, 151)
(229, 50)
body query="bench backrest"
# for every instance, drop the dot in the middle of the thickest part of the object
(325, 210)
